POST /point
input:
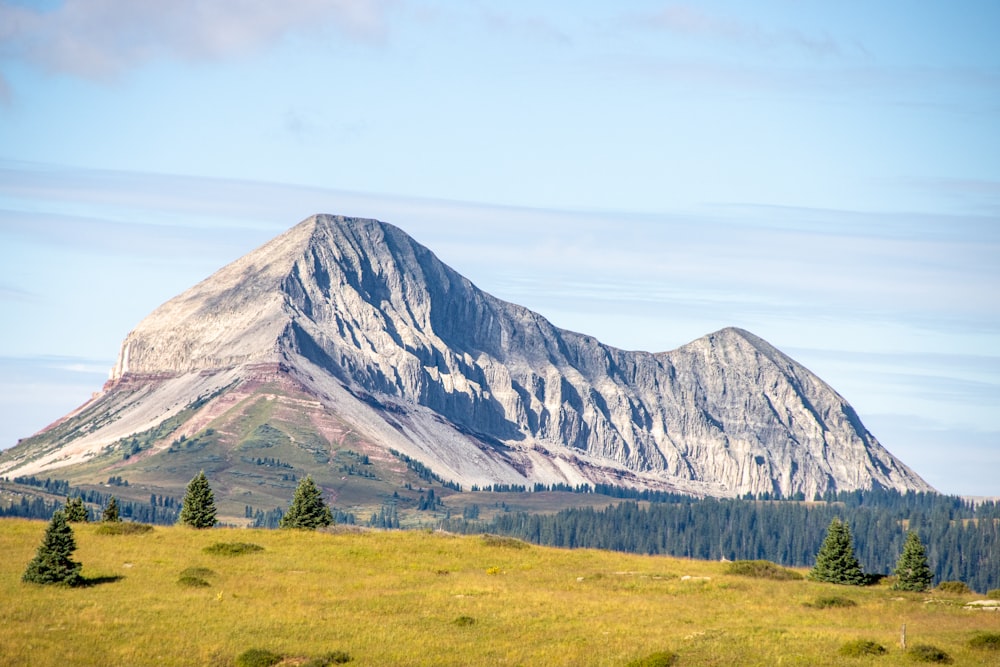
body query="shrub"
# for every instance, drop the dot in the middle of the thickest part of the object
(123, 528)
(986, 640)
(506, 542)
(192, 581)
(876, 579)
(493, 570)
(464, 621)
(258, 657)
(658, 659)
(232, 548)
(953, 588)
(928, 653)
(862, 647)
(197, 572)
(993, 594)
(332, 658)
(761, 569)
(832, 601)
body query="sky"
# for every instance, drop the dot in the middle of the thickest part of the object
(825, 175)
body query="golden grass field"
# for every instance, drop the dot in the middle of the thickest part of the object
(421, 598)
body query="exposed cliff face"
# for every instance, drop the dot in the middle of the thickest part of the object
(484, 391)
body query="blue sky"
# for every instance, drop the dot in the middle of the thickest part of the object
(826, 175)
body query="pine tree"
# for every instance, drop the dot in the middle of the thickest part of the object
(76, 511)
(912, 571)
(110, 514)
(52, 563)
(307, 509)
(198, 510)
(836, 562)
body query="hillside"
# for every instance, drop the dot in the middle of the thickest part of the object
(419, 598)
(344, 337)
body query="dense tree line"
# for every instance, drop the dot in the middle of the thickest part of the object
(962, 540)
(160, 510)
(57, 486)
(424, 472)
(38, 508)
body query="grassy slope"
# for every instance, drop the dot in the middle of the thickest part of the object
(270, 423)
(392, 598)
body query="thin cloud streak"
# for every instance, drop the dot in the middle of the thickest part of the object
(101, 39)
(691, 21)
(927, 270)
(533, 28)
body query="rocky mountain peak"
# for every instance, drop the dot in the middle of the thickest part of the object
(412, 355)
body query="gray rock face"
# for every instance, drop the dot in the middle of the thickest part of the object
(485, 391)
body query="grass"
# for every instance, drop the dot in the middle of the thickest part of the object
(380, 598)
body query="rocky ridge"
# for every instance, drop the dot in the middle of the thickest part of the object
(370, 327)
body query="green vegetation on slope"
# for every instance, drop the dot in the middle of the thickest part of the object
(421, 598)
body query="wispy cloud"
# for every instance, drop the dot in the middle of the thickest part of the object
(690, 21)
(11, 293)
(978, 195)
(534, 28)
(104, 38)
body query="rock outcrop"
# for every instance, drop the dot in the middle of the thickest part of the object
(395, 343)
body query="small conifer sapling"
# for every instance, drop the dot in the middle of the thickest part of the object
(110, 514)
(198, 510)
(836, 562)
(52, 563)
(76, 511)
(912, 571)
(307, 510)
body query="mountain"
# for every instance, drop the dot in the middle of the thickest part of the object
(344, 337)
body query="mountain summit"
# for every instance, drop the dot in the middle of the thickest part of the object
(345, 331)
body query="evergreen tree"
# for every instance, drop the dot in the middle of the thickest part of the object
(836, 562)
(198, 510)
(52, 563)
(912, 571)
(307, 509)
(76, 511)
(110, 514)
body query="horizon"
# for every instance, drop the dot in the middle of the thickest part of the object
(646, 173)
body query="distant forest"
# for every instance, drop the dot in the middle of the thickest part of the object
(160, 509)
(962, 539)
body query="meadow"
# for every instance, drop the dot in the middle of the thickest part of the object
(432, 598)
